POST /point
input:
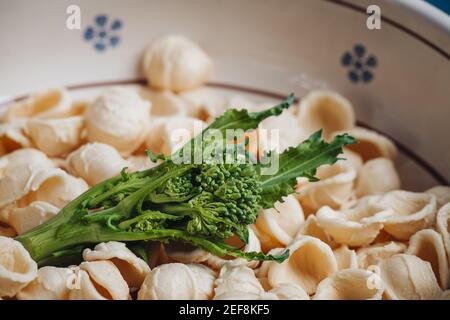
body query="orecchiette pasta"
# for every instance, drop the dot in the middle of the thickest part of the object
(56, 137)
(36, 213)
(407, 277)
(443, 226)
(427, 244)
(139, 163)
(377, 176)
(174, 281)
(289, 291)
(345, 257)
(371, 255)
(442, 194)
(356, 226)
(176, 63)
(310, 261)
(17, 269)
(334, 188)
(311, 228)
(280, 224)
(133, 269)
(166, 103)
(50, 284)
(412, 212)
(13, 137)
(99, 280)
(95, 162)
(52, 103)
(325, 110)
(118, 117)
(371, 144)
(349, 284)
(203, 103)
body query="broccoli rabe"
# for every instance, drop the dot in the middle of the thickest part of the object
(199, 203)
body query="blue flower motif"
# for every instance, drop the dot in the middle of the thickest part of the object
(360, 66)
(104, 33)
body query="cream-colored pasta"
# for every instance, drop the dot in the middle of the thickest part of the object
(371, 144)
(101, 280)
(56, 137)
(33, 215)
(95, 162)
(349, 284)
(325, 110)
(56, 187)
(357, 226)
(377, 176)
(139, 163)
(407, 277)
(7, 231)
(118, 117)
(280, 224)
(442, 194)
(334, 188)
(443, 226)
(311, 228)
(189, 254)
(13, 136)
(428, 245)
(203, 103)
(289, 291)
(50, 284)
(178, 131)
(21, 173)
(166, 103)
(17, 269)
(371, 255)
(133, 269)
(412, 212)
(52, 103)
(176, 63)
(236, 281)
(310, 261)
(345, 257)
(175, 281)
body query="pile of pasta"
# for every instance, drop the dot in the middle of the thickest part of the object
(355, 234)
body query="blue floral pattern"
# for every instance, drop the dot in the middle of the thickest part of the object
(104, 33)
(359, 64)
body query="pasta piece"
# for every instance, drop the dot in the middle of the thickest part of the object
(178, 131)
(17, 269)
(334, 188)
(310, 261)
(13, 136)
(377, 176)
(353, 159)
(56, 137)
(157, 255)
(370, 256)
(412, 212)
(177, 281)
(166, 103)
(427, 244)
(289, 291)
(95, 162)
(176, 63)
(51, 284)
(133, 269)
(280, 224)
(188, 254)
(33, 215)
(139, 163)
(442, 194)
(21, 173)
(99, 280)
(356, 226)
(349, 284)
(311, 228)
(237, 282)
(203, 103)
(118, 117)
(55, 187)
(7, 231)
(326, 110)
(52, 103)
(345, 258)
(408, 277)
(443, 226)
(371, 144)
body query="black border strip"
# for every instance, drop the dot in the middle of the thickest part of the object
(274, 95)
(395, 24)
